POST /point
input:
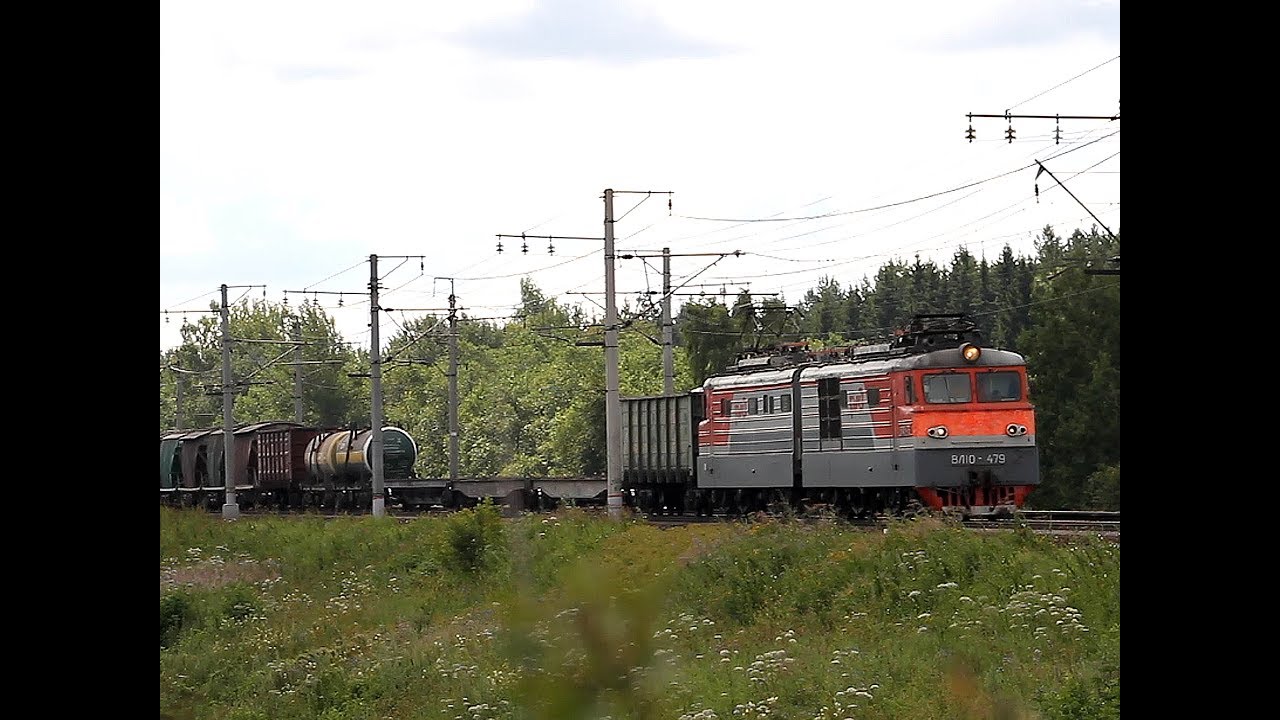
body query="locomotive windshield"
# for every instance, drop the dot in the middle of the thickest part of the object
(999, 387)
(949, 388)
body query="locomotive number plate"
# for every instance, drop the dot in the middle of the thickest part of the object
(978, 459)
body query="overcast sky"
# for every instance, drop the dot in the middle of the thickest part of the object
(297, 138)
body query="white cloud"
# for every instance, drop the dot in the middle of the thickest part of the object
(328, 132)
(611, 31)
(184, 230)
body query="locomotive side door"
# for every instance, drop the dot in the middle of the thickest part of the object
(895, 415)
(832, 403)
(903, 389)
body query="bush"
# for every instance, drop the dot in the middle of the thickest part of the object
(743, 577)
(1103, 487)
(240, 602)
(176, 612)
(1096, 698)
(474, 540)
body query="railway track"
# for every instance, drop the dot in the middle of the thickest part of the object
(1051, 522)
(1064, 522)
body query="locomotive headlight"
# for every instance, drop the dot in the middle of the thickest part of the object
(939, 431)
(970, 352)
(1015, 430)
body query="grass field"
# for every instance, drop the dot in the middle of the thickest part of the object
(568, 615)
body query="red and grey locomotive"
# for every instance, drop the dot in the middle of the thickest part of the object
(932, 419)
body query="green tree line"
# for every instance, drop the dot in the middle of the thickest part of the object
(531, 389)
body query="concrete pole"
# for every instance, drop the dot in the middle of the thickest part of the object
(177, 410)
(668, 363)
(612, 403)
(297, 373)
(375, 372)
(453, 387)
(230, 510)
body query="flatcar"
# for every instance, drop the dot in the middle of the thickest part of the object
(933, 419)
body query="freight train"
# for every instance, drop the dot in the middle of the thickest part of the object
(283, 464)
(934, 419)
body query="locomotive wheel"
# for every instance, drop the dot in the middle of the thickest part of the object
(857, 504)
(775, 502)
(908, 505)
(732, 504)
(760, 500)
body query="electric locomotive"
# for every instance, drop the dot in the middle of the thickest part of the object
(933, 419)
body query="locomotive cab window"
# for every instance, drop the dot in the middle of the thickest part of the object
(949, 388)
(724, 407)
(999, 387)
